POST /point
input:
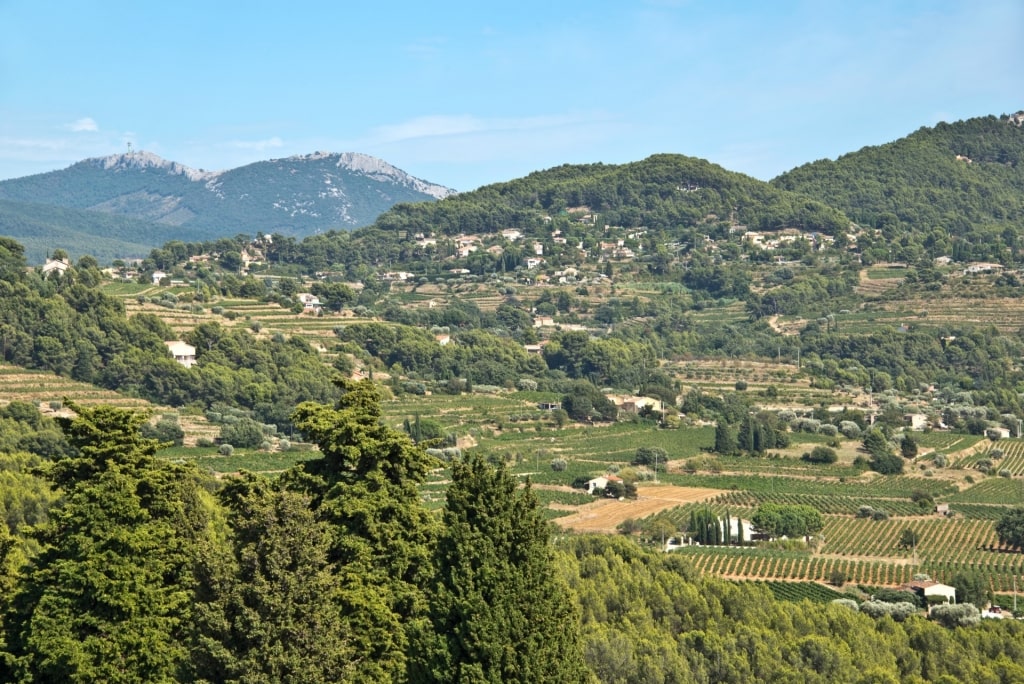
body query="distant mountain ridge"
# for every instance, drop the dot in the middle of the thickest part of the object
(297, 196)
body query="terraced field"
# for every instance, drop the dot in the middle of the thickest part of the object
(50, 391)
(1004, 313)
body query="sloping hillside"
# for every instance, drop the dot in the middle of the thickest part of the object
(959, 178)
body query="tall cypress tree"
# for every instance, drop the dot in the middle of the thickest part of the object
(725, 438)
(365, 488)
(499, 606)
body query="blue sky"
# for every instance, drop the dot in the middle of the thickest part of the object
(469, 93)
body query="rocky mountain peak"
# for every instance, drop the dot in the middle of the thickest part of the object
(142, 160)
(378, 169)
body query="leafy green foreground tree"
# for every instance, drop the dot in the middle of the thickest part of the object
(109, 597)
(365, 490)
(500, 611)
(268, 604)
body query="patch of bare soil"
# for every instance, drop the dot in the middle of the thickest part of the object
(604, 515)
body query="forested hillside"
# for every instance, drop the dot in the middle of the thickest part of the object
(664, 192)
(67, 326)
(43, 228)
(751, 395)
(953, 185)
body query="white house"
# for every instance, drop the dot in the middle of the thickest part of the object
(158, 276)
(995, 433)
(601, 482)
(633, 404)
(915, 421)
(309, 301)
(55, 265)
(183, 353)
(928, 588)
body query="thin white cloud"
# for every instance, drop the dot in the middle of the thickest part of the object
(84, 125)
(443, 126)
(257, 145)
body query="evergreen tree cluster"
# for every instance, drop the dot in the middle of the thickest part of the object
(334, 572)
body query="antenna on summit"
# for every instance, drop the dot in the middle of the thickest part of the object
(129, 148)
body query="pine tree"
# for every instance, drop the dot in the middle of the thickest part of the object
(109, 597)
(499, 606)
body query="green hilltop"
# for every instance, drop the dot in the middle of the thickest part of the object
(662, 192)
(954, 180)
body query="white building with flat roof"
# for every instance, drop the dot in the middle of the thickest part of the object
(183, 353)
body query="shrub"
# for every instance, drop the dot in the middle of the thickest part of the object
(204, 442)
(741, 385)
(828, 430)
(806, 425)
(849, 429)
(559, 465)
(654, 457)
(847, 603)
(245, 432)
(821, 454)
(898, 611)
(284, 445)
(837, 578)
(955, 615)
(166, 429)
(226, 450)
(417, 388)
(265, 445)
(1005, 473)
(901, 611)
(896, 596)
(527, 384)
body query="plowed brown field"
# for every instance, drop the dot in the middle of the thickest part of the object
(605, 514)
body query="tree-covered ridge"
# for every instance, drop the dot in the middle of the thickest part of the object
(662, 192)
(66, 325)
(963, 179)
(42, 228)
